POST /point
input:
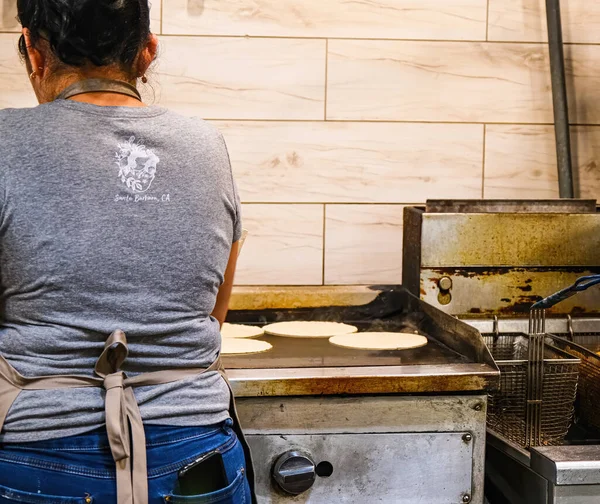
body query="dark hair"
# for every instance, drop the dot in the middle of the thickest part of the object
(79, 32)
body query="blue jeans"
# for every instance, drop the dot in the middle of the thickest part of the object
(80, 469)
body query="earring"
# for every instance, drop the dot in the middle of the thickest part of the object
(144, 79)
(34, 73)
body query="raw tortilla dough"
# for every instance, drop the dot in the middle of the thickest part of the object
(240, 331)
(380, 341)
(309, 329)
(243, 346)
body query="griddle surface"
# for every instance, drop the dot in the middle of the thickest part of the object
(318, 352)
(393, 310)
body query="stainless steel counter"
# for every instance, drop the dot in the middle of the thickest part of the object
(567, 465)
(567, 474)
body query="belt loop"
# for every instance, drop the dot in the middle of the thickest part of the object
(226, 426)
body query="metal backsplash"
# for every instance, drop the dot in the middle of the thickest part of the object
(470, 262)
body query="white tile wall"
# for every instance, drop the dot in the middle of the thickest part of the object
(521, 161)
(284, 245)
(8, 16)
(354, 161)
(15, 90)
(339, 113)
(456, 82)
(363, 244)
(525, 20)
(243, 78)
(407, 19)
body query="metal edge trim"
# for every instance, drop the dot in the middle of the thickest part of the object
(509, 448)
(366, 381)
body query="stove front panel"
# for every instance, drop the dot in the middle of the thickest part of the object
(400, 449)
(415, 468)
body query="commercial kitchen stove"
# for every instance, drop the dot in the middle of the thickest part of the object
(487, 262)
(329, 424)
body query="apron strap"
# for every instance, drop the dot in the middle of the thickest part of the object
(237, 428)
(8, 394)
(9, 390)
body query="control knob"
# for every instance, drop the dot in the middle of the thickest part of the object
(294, 472)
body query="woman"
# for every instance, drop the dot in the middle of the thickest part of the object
(114, 216)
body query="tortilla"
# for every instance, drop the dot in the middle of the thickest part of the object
(309, 329)
(240, 331)
(243, 346)
(379, 341)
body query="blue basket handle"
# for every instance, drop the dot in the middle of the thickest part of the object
(580, 285)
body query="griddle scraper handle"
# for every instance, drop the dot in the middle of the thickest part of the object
(580, 285)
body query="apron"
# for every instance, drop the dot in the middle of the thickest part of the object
(121, 410)
(123, 419)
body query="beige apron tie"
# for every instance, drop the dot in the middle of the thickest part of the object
(121, 409)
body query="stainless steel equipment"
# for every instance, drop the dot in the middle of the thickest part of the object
(566, 474)
(542, 475)
(541, 392)
(329, 424)
(588, 390)
(480, 259)
(538, 385)
(511, 410)
(487, 263)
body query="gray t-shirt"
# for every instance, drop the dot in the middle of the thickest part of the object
(112, 218)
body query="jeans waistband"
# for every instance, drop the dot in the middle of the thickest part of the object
(156, 435)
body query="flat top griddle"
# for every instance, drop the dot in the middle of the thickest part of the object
(318, 352)
(454, 360)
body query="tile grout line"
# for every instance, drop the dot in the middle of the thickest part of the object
(162, 5)
(334, 203)
(324, 231)
(352, 39)
(276, 286)
(487, 22)
(310, 285)
(366, 39)
(326, 77)
(392, 121)
(483, 163)
(348, 39)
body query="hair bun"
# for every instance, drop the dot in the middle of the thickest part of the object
(100, 32)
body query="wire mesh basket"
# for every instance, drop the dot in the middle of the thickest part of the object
(588, 390)
(508, 407)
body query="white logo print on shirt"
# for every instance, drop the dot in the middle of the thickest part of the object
(137, 165)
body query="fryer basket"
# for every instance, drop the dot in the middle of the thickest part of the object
(588, 392)
(507, 408)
